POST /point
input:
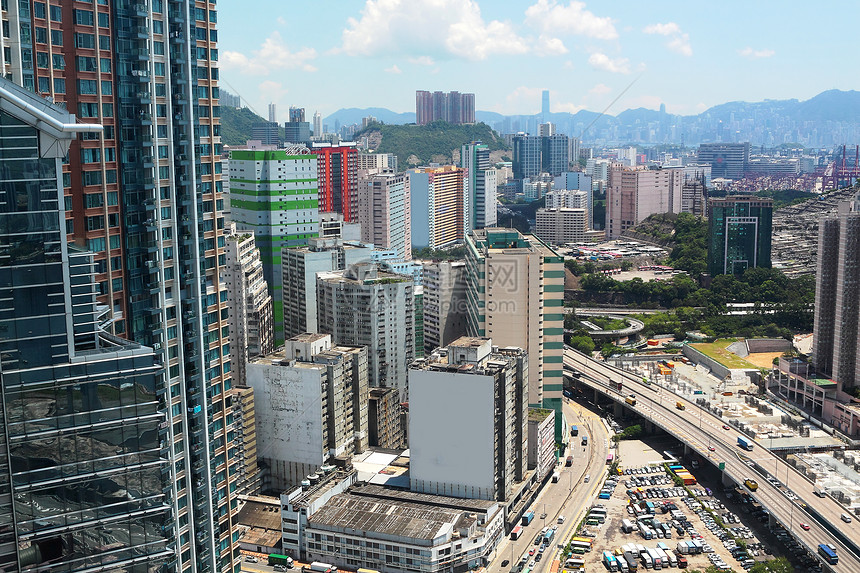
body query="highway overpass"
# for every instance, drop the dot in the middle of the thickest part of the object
(700, 430)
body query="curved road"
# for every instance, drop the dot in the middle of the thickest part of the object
(700, 429)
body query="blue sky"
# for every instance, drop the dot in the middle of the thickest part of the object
(327, 54)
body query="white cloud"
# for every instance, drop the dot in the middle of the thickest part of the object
(281, 21)
(678, 41)
(273, 55)
(755, 54)
(603, 62)
(422, 61)
(393, 70)
(600, 89)
(551, 16)
(548, 46)
(450, 27)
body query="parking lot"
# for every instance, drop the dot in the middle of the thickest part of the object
(688, 522)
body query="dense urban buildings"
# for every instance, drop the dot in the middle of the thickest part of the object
(445, 313)
(515, 296)
(337, 178)
(364, 306)
(837, 297)
(63, 378)
(480, 185)
(145, 198)
(739, 234)
(634, 193)
(453, 107)
(384, 212)
(248, 301)
(727, 160)
(567, 190)
(274, 194)
(311, 406)
(299, 267)
(561, 226)
(438, 206)
(481, 452)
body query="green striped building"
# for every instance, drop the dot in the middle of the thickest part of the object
(274, 194)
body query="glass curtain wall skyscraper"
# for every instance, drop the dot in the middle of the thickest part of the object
(145, 198)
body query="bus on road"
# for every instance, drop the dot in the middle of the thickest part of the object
(610, 458)
(516, 531)
(828, 552)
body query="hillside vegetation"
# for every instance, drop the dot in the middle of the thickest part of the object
(237, 125)
(422, 144)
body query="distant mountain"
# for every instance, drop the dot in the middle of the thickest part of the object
(351, 115)
(830, 118)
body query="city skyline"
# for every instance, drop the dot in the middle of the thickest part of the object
(585, 54)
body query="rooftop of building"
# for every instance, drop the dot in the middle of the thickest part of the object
(363, 274)
(328, 478)
(508, 241)
(469, 342)
(402, 514)
(539, 414)
(309, 337)
(261, 512)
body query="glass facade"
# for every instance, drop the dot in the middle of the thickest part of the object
(81, 480)
(739, 234)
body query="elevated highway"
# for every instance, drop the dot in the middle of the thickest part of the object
(701, 430)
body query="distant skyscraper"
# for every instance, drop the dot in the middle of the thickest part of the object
(274, 194)
(739, 234)
(384, 212)
(338, 178)
(837, 297)
(727, 160)
(546, 129)
(266, 132)
(480, 185)
(635, 193)
(544, 104)
(555, 158)
(515, 296)
(297, 114)
(318, 126)
(453, 107)
(363, 306)
(526, 156)
(439, 206)
(273, 113)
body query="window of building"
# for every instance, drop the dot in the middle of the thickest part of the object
(85, 41)
(84, 17)
(56, 14)
(59, 85)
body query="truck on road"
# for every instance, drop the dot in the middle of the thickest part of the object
(745, 443)
(751, 484)
(574, 430)
(584, 440)
(569, 461)
(631, 399)
(680, 405)
(555, 477)
(319, 567)
(528, 517)
(617, 386)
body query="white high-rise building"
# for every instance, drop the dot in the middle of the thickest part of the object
(481, 184)
(273, 113)
(299, 268)
(445, 314)
(311, 405)
(318, 129)
(384, 212)
(248, 301)
(634, 193)
(363, 306)
(480, 452)
(561, 226)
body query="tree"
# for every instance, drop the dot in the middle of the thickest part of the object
(778, 565)
(582, 343)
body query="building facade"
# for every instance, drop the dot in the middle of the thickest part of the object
(561, 226)
(377, 162)
(555, 154)
(73, 393)
(299, 267)
(244, 413)
(515, 295)
(363, 306)
(438, 206)
(274, 194)
(383, 419)
(445, 315)
(248, 300)
(567, 189)
(311, 406)
(385, 212)
(541, 442)
(145, 198)
(482, 452)
(526, 156)
(634, 193)
(267, 133)
(480, 185)
(739, 234)
(727, 160)
(337, 173)
(453, 107)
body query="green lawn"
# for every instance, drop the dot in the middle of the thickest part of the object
(718, 350)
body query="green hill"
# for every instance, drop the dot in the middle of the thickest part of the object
(236, 125)
(420, 144)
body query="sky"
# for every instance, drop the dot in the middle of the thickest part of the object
(324, 55)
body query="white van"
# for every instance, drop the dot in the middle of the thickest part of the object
(846, 518)
(587, 478)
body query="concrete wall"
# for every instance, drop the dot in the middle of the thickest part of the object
(451, 434)
(768, 345)
(699, 358)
